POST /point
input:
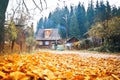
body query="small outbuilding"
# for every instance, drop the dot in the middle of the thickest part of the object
(69, 43)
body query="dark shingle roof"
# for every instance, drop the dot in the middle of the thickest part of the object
(53, 36)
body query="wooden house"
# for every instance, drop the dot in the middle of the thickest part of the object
(46, 38)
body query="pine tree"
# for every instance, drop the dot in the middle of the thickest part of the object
(45, 23)
(118, 12)
(74, 27)
(70, 14)
(39, 25)
(90, 14)
(81, 18)
(50, 21)
(97, 12)
(108, 10)
(114, 11)
(102, 11)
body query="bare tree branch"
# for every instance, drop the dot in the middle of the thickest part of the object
(36, 5)
(41, 5)
(14, 10)
(45, 3)
(25, 6)
(22, 8)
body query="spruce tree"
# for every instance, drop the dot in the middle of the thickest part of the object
(81, 18)
(39, 25)
(74, 27)
(90, 14)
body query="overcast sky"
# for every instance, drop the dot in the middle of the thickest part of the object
(52, 4)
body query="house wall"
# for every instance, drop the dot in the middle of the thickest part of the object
(46, 43)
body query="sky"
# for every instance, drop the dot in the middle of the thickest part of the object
(51, 5)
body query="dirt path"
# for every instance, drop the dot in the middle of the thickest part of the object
(85, 53)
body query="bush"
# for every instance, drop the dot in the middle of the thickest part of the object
(107, 48)
(83, 44)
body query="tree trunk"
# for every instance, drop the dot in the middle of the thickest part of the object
(29, 47)
(21, 44)
(3, 7)
(12, 46)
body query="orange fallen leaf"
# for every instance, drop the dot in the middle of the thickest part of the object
(68, 74)
(78, 77)
(2, 75)
(16, 75)
(49, 74)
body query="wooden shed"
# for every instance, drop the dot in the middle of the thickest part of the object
(69, 42)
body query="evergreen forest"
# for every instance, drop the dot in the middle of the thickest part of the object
(101, 21)
(78, 20)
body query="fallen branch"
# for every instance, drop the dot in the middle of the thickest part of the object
(115, 77)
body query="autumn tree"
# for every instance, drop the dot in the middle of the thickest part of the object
(30, 41)
(109, 32)
(12, 32)
(3, 7)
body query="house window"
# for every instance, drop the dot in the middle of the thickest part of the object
(46, 43)
(40, 43)
(47, 33)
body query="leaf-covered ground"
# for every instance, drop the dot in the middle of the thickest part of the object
(48, 66)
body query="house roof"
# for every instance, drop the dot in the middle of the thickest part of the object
(54, 34)
(73, 39)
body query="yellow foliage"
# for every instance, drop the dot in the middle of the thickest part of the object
(47, 66)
